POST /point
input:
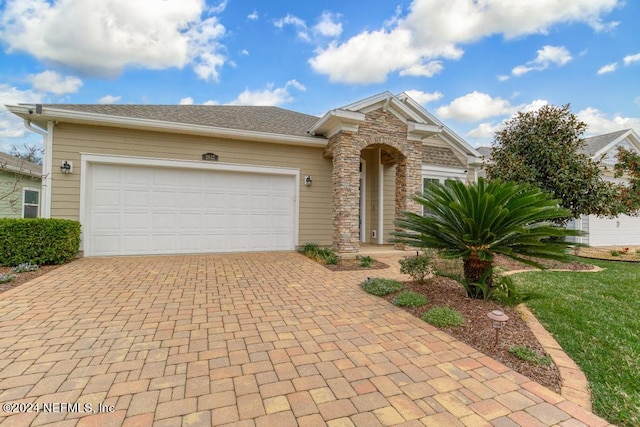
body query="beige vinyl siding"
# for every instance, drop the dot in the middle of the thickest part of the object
(389, 201)
(70, 140)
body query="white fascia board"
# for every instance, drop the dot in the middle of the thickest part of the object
(335, 121)
(427, 116)
(374, 99)
(418, 131)
(441, 170)
(22, 171)
(634, 141)
(171, 127)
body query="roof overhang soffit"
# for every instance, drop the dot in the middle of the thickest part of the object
(84, 118)
(336, 121)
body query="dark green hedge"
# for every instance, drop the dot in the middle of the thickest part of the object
(38, 241)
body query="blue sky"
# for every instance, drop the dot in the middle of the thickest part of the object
(471, 63)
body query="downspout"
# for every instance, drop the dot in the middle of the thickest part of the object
(45, 200)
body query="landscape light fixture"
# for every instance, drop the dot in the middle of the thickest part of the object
(66, 167)
(499, 319)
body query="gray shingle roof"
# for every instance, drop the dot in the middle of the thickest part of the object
(251, 118)
(485, 152)
(596, 143)
(15, 164)
(440, 156)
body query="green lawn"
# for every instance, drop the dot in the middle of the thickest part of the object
(596, 319)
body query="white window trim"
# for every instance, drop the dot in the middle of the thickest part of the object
(443, 173)
(37, 190)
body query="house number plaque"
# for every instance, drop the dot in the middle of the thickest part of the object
(210, 157)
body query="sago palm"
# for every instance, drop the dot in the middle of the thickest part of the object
(476, 221)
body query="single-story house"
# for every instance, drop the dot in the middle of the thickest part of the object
(624, 230)
(158, 179)
(19, 187)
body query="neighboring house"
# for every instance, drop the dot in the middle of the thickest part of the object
(154, 179)
(623, 230)
(20, 184)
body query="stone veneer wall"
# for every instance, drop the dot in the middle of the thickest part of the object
(380, 129)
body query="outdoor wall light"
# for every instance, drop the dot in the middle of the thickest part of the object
(66, 167)
(499, 319)
(307, 180)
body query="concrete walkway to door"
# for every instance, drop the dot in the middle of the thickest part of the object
(248, 340)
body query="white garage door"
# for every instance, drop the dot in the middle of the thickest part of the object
(154, 210)
(623, 230)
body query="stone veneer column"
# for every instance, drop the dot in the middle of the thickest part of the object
(346, 195)
(408, 180)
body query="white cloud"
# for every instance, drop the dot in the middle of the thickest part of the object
(116, 34)
(600, 122)
(487, 129)
(436, 30)
(253, 16)
(631, 58)
(502, 78)
(268, 96)
(244, 52)
(475, 106)
(484, 130)
(52, 82)
(11, 126)
(299, 24)
(423, 97)
(547, 56)
(186, 101)
(210, 102)
(328, 25)
(609, 68)
(109, 99)
(426, 70)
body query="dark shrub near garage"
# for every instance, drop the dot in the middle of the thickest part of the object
(38, 241)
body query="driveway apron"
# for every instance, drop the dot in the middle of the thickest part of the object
(262, 339)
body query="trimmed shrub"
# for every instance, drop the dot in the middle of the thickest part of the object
(38, 241)
(409, 299)
(365, 261)
(381, 287)
(443, 317)
(318, 254)
(418, 267)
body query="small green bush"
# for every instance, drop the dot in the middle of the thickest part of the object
(24, 267)
(366, 261)
(6, 278)
(381, 287)
(638, 252)
(443, 317)
(505, 291)
(615, 253)
(529, 355)
(38, 240)
(418, 267)
(409, 299)
(318, 254)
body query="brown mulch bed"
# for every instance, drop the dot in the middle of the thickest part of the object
(24, 277)
(479, 333)
(354, 264)
(625, 254)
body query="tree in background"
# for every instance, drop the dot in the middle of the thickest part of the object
(628, 165)
(543, 148)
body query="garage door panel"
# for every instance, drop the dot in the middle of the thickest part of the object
(154, 210)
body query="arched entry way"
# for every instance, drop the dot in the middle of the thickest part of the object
(385, 158)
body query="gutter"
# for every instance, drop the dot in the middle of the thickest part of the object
(45, 194)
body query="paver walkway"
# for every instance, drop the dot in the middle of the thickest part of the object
(249, 340)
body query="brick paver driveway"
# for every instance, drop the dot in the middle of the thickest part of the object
(253, 339)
